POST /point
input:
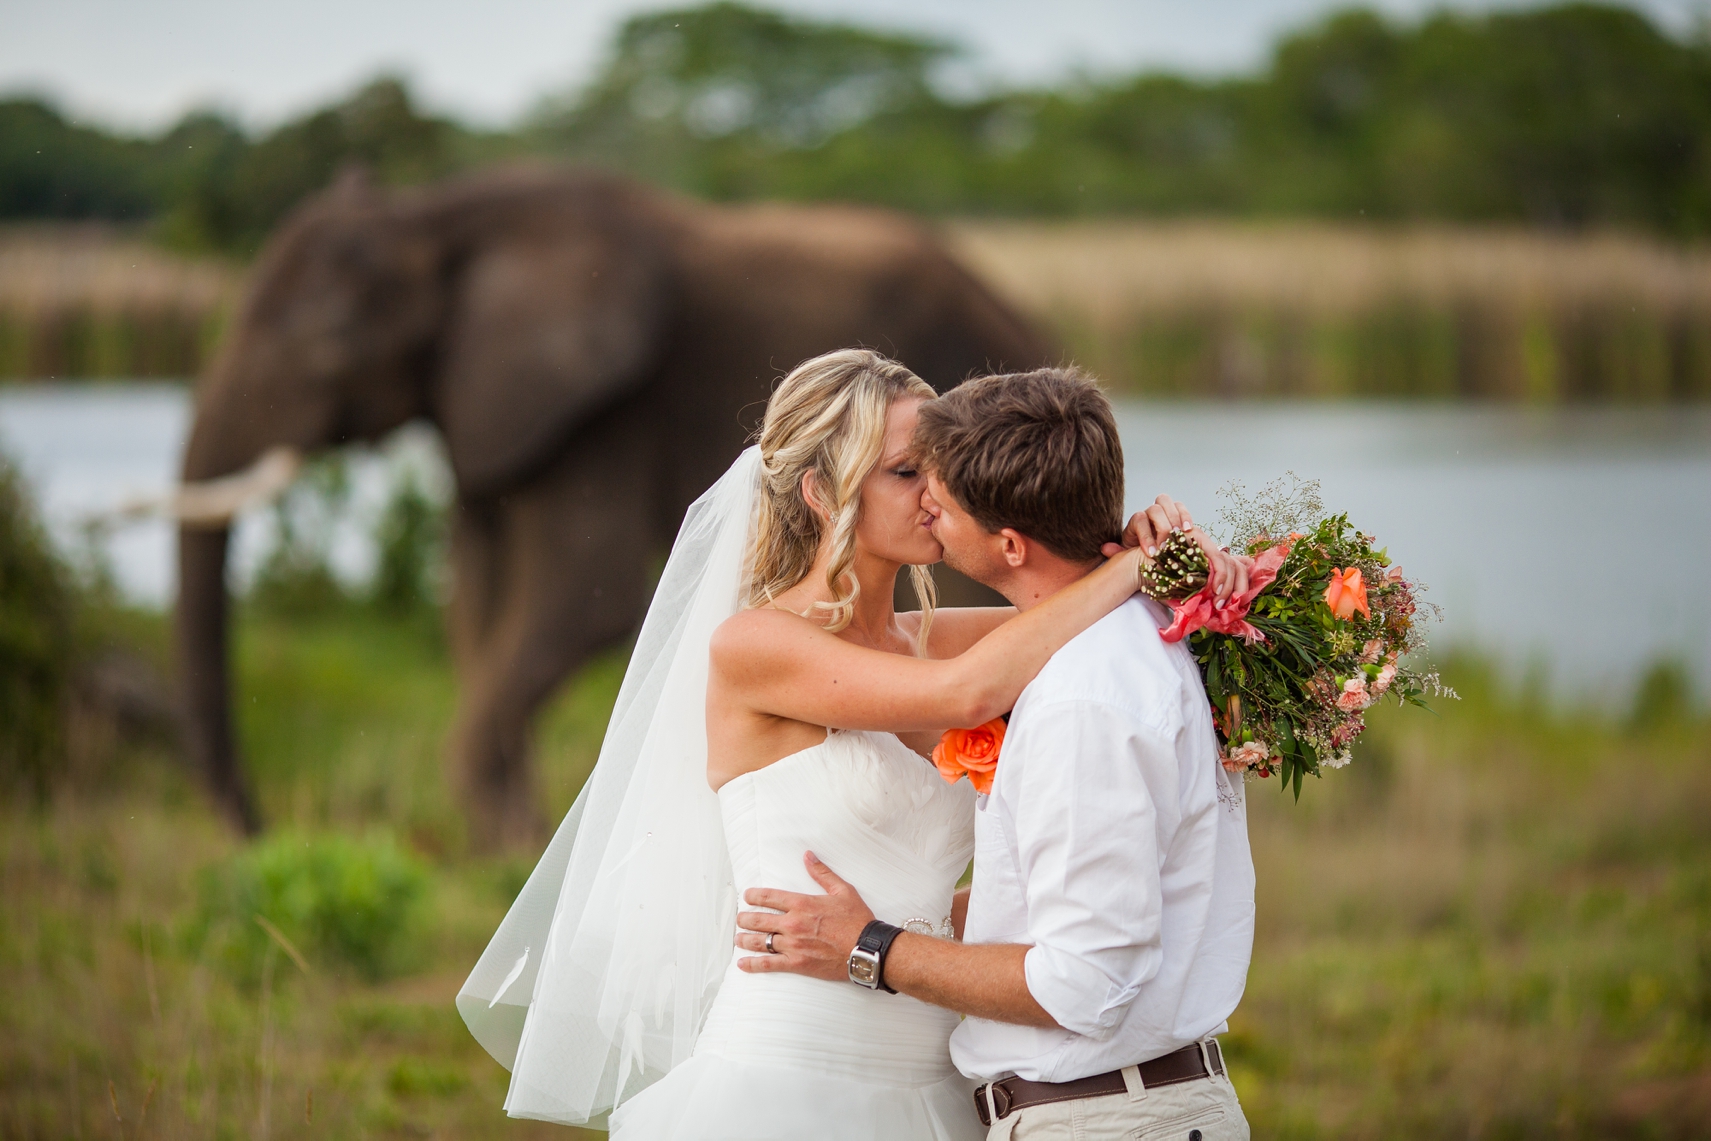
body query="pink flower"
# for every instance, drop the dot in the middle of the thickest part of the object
(1201, 609)
(1383, 680)
(1246, 756)
(1347, 732)
(1370, 652)
(1353, 699)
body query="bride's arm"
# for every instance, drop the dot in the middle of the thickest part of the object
(956, 628)
(781, 665)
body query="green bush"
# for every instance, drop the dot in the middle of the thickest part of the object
(410, 541)
(350, 902)
(296, 578)
(36, 642)
(1664, 697)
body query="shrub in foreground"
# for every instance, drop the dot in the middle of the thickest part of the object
(36, 597)
(336, 899)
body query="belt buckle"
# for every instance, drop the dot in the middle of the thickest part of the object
(1001, 1101)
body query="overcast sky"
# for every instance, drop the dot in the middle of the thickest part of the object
(142, 63)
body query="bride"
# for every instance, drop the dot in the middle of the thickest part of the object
(775, 702)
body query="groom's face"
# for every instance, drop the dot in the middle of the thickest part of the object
(969, 547)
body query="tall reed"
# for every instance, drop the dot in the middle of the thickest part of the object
(84, 302)
(1231, 309)
(1191, 309)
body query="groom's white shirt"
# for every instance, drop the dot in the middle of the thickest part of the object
(1114, 844)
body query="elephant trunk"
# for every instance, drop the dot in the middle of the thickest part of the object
(216, 487)
(204, 669)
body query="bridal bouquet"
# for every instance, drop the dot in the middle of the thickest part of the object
(1292, 663)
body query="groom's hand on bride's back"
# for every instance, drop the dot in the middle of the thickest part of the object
(1147, 529)
(811, 934)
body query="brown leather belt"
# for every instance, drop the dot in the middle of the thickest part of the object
(1184, 1065)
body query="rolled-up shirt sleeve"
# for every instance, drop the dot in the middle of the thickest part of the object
(1085, 820)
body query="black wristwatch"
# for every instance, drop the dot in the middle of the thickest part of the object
(867, 961)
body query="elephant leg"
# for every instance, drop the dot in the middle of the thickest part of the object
(566, 563)
(474, 554)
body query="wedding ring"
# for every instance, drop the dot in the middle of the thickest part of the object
(770, 936)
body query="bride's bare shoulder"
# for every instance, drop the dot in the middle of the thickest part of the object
(751, 638)
(761, 622)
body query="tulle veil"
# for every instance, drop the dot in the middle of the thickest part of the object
(598, 980)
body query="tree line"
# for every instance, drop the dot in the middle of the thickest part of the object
(1571, 116)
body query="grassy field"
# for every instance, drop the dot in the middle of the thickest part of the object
(1497, 924)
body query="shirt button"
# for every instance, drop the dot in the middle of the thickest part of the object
(1194, 1135)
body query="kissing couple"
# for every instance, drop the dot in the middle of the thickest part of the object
(768, 749)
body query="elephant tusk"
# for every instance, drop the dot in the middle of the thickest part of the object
(213, 503)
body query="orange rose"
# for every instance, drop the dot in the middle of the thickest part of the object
(973, 752)
(1347, 593)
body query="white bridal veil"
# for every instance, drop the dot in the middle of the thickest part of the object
(598, 981)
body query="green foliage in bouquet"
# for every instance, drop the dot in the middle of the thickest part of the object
(1320, 636)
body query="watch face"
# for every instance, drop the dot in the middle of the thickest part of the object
(864, 969)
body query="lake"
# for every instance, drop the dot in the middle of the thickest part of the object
(1568, 541)
(86, 448)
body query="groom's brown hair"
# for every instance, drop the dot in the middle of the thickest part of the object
(1036, 451)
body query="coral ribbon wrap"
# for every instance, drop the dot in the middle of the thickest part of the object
(1200, 610)
(971, 752)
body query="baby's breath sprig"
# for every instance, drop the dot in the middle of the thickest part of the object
(1178, 571)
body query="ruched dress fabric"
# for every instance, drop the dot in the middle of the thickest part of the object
(783, 1057)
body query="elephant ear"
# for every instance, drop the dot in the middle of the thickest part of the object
(544, 335)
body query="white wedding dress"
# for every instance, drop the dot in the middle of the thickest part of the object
(610, 990)
(783, 1057)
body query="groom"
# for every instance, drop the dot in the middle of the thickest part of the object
(1110, 924)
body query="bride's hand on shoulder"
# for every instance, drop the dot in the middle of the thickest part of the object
(1148, 528)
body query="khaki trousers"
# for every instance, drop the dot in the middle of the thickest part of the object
(1202, 1110)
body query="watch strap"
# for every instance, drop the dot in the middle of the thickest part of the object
(876, 939)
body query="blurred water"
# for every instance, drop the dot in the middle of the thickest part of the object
(1573, 540)
(87, 448)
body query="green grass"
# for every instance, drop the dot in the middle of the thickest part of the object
(1496, 924)
(111, 974)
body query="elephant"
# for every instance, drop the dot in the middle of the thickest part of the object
(594, 352)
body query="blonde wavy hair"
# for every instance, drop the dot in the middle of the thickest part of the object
(826, 417)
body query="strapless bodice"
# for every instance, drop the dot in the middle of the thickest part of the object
(781, 1056)
(872, 809)
(883, 819)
